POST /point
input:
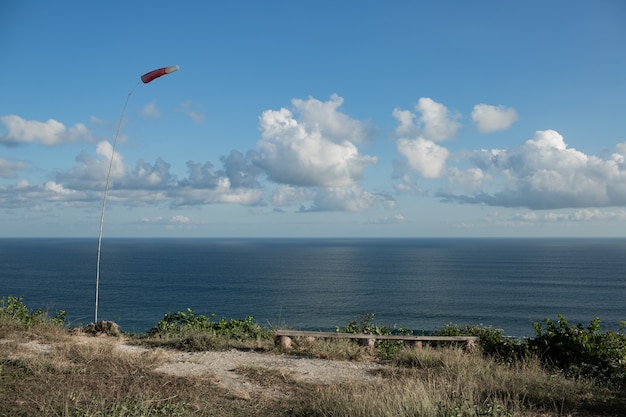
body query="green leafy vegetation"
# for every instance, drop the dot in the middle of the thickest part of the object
(182, 322)
(14, 309)
(577, 351)
(581, 352)
(492, 341)
(385, 349)
(196, 332)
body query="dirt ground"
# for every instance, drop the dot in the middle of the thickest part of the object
(222, 366)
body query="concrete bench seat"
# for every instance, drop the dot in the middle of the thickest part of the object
(283, 338)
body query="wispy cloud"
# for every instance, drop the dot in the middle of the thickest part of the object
(397, 218)
(150, 110)
(580, 215)
(351, 199)
(9, 169)
(195, 115)
(171, 220)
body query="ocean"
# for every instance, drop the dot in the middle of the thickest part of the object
(319, 284)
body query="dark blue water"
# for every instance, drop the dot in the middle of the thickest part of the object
(317, 284)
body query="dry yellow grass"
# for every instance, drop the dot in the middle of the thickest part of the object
(77, 375)
(449, 382)
(46, 370)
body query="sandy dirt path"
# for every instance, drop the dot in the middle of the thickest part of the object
(225, 367)
(222, 367)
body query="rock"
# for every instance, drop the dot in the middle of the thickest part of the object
(103, 327)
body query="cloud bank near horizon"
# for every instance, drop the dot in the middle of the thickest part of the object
(310, 158)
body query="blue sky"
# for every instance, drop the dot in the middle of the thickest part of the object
(326, 118)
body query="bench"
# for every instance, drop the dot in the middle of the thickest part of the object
(283, 338)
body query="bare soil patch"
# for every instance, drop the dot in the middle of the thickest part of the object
(228, 368)
(225, 368)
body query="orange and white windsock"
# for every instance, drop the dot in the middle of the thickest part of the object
(152, 75)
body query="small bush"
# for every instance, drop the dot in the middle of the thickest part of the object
(14, 310)
(575, 350)
(385, 349)
(492, 341)
(581, 352)
(188, 322)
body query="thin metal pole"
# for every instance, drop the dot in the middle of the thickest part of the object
(104, 202)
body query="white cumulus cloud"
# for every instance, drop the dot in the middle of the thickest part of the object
(152, 183)
(220, 193)
(91, 172)
(468, 180)
(490, 118)
(419, 132)
(331, 123)
(437, 121)
(285, 195)
(424, 156)
(24, 195)
(48, 133)
(545, 173)
(316, 149)
(406, 126)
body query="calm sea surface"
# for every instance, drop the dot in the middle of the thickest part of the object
(317, 284)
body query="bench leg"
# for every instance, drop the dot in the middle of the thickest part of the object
(284, 342)
(368, 344)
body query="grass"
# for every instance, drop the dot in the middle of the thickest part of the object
(86, 376)
(47, 369)
(449, 382)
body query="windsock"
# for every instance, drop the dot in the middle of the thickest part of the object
(152, 75)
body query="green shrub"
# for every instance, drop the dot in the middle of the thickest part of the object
(385, 349)
(492, 341)
(581, 352)
(16, 311)
(189, 322)
(575, 350)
